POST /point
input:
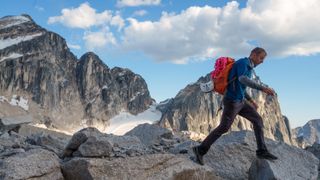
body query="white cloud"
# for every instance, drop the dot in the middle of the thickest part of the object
(82, 17)
(140, 13)
(74, 46)
(94, 40)
(283, 27)
(122, 3)
(86, 17)
(117, 21)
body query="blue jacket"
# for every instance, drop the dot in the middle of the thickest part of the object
(235, 89)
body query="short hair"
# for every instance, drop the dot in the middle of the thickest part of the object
(258, 50)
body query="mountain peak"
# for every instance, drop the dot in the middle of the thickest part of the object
(9, 21)
(90, 55)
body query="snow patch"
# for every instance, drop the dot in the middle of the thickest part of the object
(3, 99)
(9, 42)
(12, 21)
(11, 56)
(105, 87)
(19, 101)
(135, 96)
(43, 126)
(125, 121)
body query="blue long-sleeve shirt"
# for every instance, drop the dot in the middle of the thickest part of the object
(239, 78)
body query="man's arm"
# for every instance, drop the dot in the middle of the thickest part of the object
(250, 83)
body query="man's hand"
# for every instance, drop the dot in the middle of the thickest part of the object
(268, 91)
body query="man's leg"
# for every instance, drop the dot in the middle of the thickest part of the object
(250, 113)
(230, 111)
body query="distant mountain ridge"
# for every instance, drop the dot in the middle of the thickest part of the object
(62, 91)
(308, 134)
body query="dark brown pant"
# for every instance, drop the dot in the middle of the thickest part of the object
(231, 109)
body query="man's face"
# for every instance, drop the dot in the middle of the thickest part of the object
(258, 58)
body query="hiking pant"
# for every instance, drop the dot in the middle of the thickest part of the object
(231, 109)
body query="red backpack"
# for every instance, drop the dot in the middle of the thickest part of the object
(220, 74)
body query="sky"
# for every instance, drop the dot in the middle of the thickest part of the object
(172, 43)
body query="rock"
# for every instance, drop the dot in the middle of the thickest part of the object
(48, 142)
(78, 138)
(293, 163)
(90, 142)
(232, 155)
(183, 147)
(314, 149)
(95, 147)
(156, 166)
(30, 130)
(35, 163)
(127, 145)
(10, 123)
(150, 134)
(12, 140)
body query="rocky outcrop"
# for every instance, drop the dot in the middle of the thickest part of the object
(195, 111)
(13, 122)
(89, 142)
(150, 134)
(233, 157)
(305, 165)
(156, 166)
(60, 90)
(95, 155)
(308, 134)
(103, 156)
(32, 164)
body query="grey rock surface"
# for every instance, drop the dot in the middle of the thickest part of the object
(156, 166)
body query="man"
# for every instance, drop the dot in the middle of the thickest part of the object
(234, 103)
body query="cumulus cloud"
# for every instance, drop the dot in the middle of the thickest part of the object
(283, 27)
(140, 13)
(94, 40)
(117, 21)
(85, 17)
(122, 3)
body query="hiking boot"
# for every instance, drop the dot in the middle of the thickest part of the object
(198, 156)
(264, 154)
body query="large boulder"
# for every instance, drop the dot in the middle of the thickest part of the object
(232, 155)
(78, 138)
(10, 123)
(32, 164)
(293, 163)
(150, 134)
(89, 142)
(156, 166)
(314, 149)
(47, 141)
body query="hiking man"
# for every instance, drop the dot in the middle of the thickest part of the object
(234, 103)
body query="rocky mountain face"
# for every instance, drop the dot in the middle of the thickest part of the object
(146, 152)
(63, 92)
(195, 111)
(307, 135)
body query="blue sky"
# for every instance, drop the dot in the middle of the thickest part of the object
(172, 44)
